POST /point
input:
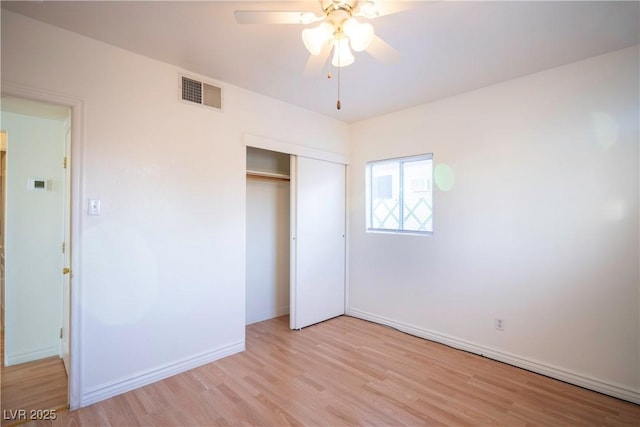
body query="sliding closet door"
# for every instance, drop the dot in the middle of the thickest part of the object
(318, 241)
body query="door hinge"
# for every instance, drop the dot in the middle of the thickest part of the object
(63, 247)
(60, 333)
(64, 163)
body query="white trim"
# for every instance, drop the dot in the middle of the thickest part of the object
(611, 389)
(255, 141)
(414, 158)
(293, 250)
(16, 359)
(106, 391)
(347, 235)
(77, 188)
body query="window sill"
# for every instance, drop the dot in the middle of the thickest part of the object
(400, 232)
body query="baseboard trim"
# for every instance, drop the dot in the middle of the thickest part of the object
(282, 310)
(615, 390)
(16, 359)
(102, 392)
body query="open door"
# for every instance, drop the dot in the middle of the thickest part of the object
(317, 241)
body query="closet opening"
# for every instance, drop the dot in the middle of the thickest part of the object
(268, 228)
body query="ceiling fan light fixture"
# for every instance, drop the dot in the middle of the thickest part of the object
(361, 35)
(315, 38)
(342, 55)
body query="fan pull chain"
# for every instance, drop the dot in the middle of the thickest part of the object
(338, 104)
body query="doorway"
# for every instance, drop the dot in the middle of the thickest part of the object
(35, 240)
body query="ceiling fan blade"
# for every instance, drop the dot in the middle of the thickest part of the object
(388, 7)
(316, 63)
(275, 17)
(383, 51)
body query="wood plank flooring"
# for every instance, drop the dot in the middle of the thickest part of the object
(347, 372)
(41, 384)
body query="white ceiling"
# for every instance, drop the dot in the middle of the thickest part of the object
(447, 47)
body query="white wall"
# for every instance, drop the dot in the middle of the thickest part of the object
(33, 263)
(161, 272)
(540, 227)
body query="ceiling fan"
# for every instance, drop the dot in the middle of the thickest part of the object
(338, 30)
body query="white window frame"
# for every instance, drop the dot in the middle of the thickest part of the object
(369, 194)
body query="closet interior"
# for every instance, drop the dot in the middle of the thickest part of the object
(267, 235)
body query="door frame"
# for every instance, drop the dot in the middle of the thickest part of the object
(77, 137)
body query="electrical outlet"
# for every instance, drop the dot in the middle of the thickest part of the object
(499, 323)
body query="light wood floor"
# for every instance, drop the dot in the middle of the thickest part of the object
(347, 372)
(41, 384)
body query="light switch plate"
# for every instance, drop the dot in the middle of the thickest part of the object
(94, 207)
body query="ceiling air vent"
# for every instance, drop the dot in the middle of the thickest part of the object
(201, 93)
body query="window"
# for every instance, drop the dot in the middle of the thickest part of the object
(400, 195)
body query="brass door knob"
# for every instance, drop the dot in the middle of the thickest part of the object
(66, 270)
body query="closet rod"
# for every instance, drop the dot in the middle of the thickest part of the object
(268, 175)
